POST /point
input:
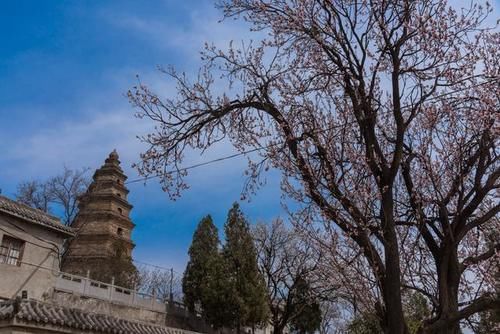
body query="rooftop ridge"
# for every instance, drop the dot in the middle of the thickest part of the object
(36, 216)
(34, 311)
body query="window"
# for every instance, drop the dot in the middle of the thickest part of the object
(120, 211)
(119, 231)
(11, 250)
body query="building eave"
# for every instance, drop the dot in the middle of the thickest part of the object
(34, 216)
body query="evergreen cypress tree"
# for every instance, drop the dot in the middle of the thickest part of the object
(202, 266)
(245, 289)
(307, 309)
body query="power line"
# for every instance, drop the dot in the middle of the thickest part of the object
(202, 164)
(232, 156)
(157, 266)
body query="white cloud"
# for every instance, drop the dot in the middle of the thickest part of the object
(202, 25)
(75, 143)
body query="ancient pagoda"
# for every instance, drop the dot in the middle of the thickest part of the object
(103, 246)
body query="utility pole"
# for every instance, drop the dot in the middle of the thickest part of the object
(171, 284)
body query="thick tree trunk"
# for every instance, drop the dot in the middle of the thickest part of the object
(394, 316)
(278, 329)
(449, 280)
(448, 270)
(395, 323)
(279, 319)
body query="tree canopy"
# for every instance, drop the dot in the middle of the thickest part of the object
(307, 316)
(248, 304)
(200, 277)
(225, 284)
(59, 192)
(289, 267)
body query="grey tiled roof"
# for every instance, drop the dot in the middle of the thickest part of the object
(38, 313)
(32, 215)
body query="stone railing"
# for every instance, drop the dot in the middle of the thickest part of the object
(87, 287)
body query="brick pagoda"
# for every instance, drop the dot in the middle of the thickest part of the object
(103, 244)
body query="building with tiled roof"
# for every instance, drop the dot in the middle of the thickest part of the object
(27, 315)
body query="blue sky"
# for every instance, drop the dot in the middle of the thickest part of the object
(65, 67)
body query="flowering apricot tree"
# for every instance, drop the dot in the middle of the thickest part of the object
(382, 116)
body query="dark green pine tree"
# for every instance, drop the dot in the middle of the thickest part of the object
(200, 280)
(307, 309)
(246, 292)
